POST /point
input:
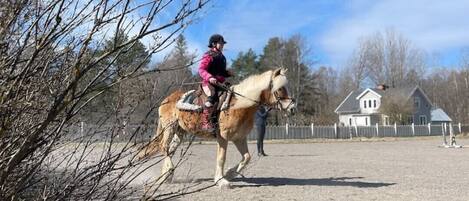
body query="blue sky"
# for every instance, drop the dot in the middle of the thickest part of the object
(332, 27)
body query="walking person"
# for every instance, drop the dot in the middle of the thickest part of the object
(260, 122)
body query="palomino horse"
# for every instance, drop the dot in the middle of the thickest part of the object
(268, 88)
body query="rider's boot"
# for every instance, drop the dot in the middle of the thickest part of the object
(207, 124)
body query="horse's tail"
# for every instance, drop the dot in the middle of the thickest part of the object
(154, 146)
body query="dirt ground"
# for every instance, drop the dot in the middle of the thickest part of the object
(406, 169)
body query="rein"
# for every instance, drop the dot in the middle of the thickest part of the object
(278, 99)
(224, 87)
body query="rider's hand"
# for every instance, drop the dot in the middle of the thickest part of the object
(212, 80)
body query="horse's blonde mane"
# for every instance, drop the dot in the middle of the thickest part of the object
(253, 86)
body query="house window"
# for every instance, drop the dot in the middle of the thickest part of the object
(369, 103)
(350, 121)
(374, 103)
(364, 103)
(366, 121)
(417, 102)
(386, 121)
(423, 119)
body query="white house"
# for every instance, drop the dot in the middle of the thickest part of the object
(361, 107)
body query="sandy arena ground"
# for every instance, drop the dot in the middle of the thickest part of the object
(399, 170)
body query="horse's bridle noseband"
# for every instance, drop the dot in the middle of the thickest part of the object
(278, 102)
(278, 99)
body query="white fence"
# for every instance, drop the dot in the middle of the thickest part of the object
(141, 133)
(348, 132)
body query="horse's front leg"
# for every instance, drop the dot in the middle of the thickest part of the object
(242, 146)
(221, 157)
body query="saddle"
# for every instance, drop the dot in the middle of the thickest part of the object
(194, 100)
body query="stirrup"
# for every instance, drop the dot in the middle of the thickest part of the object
(210, 130)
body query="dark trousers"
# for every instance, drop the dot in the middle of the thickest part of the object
(260, 138)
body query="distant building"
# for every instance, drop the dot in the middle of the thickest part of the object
(439, 116)
(361, 107)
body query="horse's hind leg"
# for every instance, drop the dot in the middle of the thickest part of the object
(167, 169)
(167, 145)
(242, 146)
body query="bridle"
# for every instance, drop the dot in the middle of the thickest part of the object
(278, 102)
(278, 99)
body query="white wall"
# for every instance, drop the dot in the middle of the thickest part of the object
(344, 119)
(362, 120)
(369, 96)
(356, 120)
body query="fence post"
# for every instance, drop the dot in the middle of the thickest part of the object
(429, 129)
(350, 130)
(395, 129)
(124, 133)
(451, 135)
(82, 128)
(312, 129)
(413, 129)
(335, 131)
(443, 130)
(356, 130)
(377, 130)
(286, 128)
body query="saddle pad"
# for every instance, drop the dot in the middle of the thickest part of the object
(187, 102)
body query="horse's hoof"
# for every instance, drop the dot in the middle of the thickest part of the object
(231, 174)
(224, 184)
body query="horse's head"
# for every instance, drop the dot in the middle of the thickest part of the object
(278, 96)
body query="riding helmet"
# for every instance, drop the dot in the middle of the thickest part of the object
(216, 38)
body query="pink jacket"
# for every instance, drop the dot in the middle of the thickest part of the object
(204, 72)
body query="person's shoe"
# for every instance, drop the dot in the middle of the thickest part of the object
(263, 154)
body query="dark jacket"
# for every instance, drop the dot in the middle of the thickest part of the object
(261, 116)
(213, 64)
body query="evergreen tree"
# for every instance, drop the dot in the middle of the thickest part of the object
(177, 66)
(132, 57)
(272, 54)
(246, 64)
(292, 54)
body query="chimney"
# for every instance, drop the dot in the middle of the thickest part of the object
(382, 87)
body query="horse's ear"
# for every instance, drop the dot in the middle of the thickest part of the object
(283, 71)
(277, 72)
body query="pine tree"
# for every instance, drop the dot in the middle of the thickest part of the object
(246, 64)
(177, 66)
(131, 58)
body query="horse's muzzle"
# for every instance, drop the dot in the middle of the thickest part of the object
(292, 111)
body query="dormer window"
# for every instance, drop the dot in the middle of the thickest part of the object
(364, 104)
(369, 103)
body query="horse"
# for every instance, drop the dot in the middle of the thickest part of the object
(268, 88)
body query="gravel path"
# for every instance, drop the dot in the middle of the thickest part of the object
(406, 169)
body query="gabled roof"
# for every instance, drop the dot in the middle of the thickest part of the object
(439, 115)
(405, 92)
(374, 91)
(351, 103)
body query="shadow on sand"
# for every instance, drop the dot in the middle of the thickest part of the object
(279, 181)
